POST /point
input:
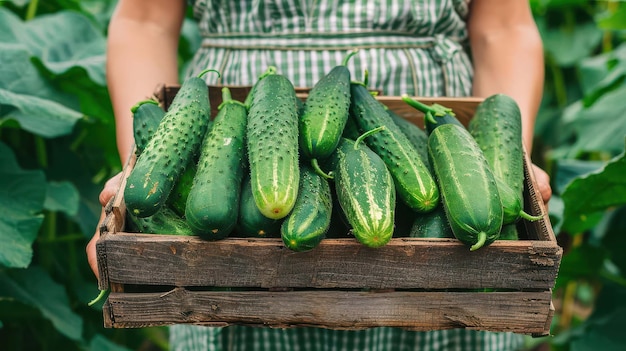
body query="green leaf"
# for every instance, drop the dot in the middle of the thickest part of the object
(101, 343)
(599, 72)
(60, 41)
(602, 126)
(39, 116)
(615, 20)
(614, 237)
(583, 262)
(21, 202)
(62, 196)
(34, 287)
(569, 46)
(588, 196)
(28, 99)
(603, 330)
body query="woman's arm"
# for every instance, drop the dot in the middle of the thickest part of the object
(142, 52)
(508, 56)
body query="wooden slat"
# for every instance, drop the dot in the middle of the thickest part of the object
(520, 312)
(344, 263)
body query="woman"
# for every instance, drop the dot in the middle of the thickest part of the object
(414, 47)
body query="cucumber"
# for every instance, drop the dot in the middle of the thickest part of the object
(469, 192)
(251, 222)
(325, 114)
(213, 202)
(177, 200)
(509, 232)
(435, 115)
(147, 116)
(174, 144)
(433, 224)
(414, 181)
(165, 221)
(272, 144)
(416, 135)
(307, 224)
(497, 128)
(365, 192)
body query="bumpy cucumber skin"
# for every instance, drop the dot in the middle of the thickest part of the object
(309, 221)
(168, 152)
(165, 221)
(497, 128)
(213, 202)
(511, 202)
(365, 192)
(272, 144)
(468, 187)
(325, 114)
(414, 181)
(251, 222)
(433, 224)
(146, 119)
(416, 135)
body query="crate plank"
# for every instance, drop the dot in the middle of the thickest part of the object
(403, 263)
(494, 311)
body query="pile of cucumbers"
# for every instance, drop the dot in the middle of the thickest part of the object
(338, 163)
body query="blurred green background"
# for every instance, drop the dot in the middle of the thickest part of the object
(57, 148)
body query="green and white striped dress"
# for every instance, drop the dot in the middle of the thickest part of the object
(413, 47)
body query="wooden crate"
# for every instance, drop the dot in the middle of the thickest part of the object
(411, 283)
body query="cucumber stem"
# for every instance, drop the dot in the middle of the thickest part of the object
(529, 217)
(366, 134)
(227, 98)
(98, 298)
(347, 58)
(318, 170)
(429, 111)
(143, 102)
(482, 237)
(209, 70)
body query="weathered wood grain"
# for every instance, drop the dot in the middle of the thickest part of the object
(520, 312)
(265, 263)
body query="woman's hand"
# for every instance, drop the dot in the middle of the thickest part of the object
(543, 183)
(110, 187)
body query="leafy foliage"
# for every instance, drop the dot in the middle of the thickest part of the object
(57, 149)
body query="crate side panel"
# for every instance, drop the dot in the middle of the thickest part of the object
(335, 263)
(520, 312)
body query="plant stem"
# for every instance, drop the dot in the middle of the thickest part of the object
(32, 9)
(42, 155)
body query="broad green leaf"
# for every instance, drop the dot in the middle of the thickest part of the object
(602, 126)
(22, 196)
(599, 72)
(63, 197)
(28, 99)
(60, 41)
(589, 196)
(34, 287)
(569, 46)
(582, 262)
(39, 116)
